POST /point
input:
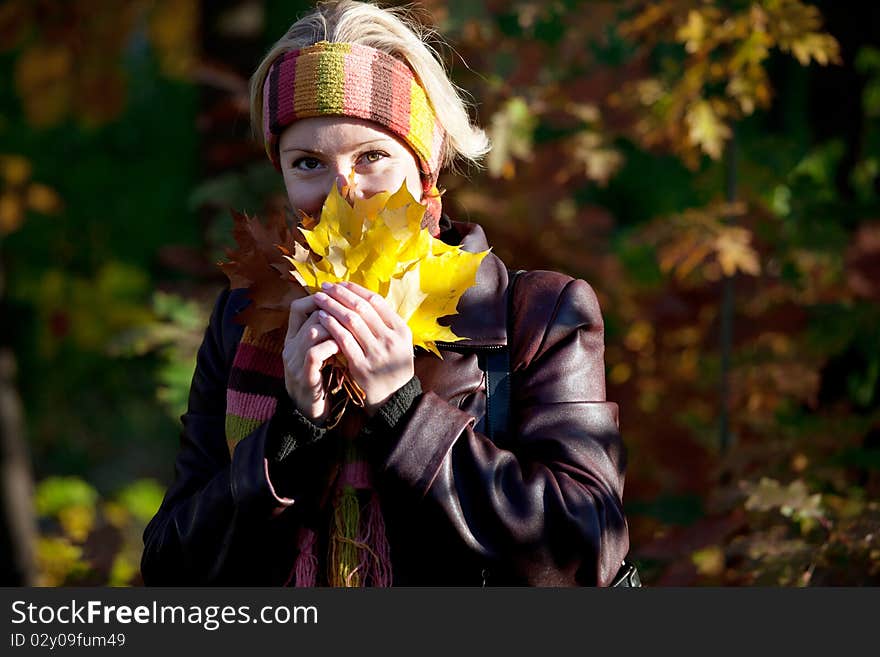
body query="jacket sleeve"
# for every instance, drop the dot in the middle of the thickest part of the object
(545, 507)
(219, 510)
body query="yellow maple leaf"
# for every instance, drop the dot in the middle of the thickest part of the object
(796, 26)
(405, 294)
(823, 48)
(379, 243)
(735, 252)
(698, 28)
(707, 129)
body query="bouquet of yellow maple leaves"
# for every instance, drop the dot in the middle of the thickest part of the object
(378, 243)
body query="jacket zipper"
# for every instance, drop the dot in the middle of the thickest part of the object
(455, 346)
(463, 348)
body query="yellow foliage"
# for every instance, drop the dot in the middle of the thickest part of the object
(511, 131)
(58, 560)
(700, 240)
(652, 16)
(77, 521)
(707, 128)
(174, 30)
(43, 80)
(799, 462)
(116, 514)
(11, 213)
(761, 388)
(15, 169)
(42, 198)
(699, 25)
(18, 194)
(599, 160)
(123, 570)
(795, 29)
(688, 364)
(71, 65)
(379, 243)
(821, 48)
(620, 374)
(709, 560)
(639, 336)
(726, 48)
(793, 501)
(735, 252)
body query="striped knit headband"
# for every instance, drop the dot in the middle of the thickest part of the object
(349, 79)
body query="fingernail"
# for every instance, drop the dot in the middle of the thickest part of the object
(322, 314)
(326, 286)
(320, 296)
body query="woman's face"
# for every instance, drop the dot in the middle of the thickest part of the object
(319, 152)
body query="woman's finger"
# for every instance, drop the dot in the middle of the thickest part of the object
(352, 320)
(360, 304)
(300, 309)
(348, 344)
(314, 361)
(385, 312)
(317, 333)
(296, 346)
(312, 331)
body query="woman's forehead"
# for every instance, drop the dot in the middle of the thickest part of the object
(325, 133)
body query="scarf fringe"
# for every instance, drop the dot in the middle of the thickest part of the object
(344, 560)
(305, 569)
(374, 533)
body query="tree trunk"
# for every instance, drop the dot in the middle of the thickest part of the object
(727, 305)
(17, 518)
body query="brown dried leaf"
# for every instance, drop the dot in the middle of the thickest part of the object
(258, 264)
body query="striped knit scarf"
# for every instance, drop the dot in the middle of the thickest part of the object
(358, 552)
(349, 79)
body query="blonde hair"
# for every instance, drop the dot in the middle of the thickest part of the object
(395, 32)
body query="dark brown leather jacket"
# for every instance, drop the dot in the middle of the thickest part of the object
(544, 508)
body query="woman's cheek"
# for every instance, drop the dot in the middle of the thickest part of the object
(388, 180)
(305, 196)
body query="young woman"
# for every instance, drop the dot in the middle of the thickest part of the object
(413, 489)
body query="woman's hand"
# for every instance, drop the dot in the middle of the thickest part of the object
(307, 346)
(374, 339)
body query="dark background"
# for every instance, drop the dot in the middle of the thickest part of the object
(742, 340)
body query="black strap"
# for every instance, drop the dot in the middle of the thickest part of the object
(498, 375)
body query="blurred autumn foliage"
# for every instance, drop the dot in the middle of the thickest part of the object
(711, 168)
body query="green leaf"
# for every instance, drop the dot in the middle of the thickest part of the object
(512, 132)
(142, 498)
(54, 494)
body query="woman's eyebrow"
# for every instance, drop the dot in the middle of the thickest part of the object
(310, 151)
(373, 142)
(355, 146)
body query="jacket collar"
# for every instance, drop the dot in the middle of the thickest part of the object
(482, 309)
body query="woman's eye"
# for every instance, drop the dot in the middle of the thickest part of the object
(306, 163)
(373, 156)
